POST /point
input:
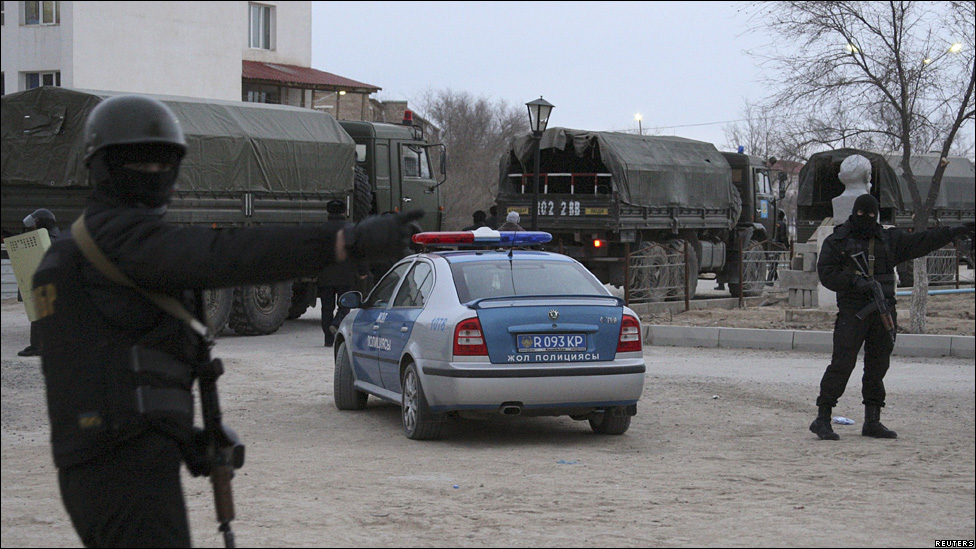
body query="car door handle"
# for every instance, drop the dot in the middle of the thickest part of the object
(404, 329)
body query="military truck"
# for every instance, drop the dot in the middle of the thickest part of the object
(606, 196)
(955, 204)
(247, 164)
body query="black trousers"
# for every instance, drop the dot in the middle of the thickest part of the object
(330, 302)
(130, 497)
(850, 333)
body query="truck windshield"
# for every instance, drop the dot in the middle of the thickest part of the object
(478, 279)
(762, 182)
(416, 162)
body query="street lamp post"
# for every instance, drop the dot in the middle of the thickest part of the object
(539, 111)
(638, 117)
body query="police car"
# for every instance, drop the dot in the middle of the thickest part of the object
(497, 330)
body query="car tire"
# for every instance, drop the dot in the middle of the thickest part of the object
(344, 393)
(609, 424)
(419, 423)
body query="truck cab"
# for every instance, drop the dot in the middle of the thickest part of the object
(751, 177)
(397, 160)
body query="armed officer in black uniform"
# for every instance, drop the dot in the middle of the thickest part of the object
(884, 248)
(120, 428)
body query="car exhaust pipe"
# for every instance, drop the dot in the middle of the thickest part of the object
(510, 409)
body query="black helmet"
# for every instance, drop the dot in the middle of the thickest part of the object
(40, 219)
(132, 120)
(335, 207)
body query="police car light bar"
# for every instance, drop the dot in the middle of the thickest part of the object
(484, 235)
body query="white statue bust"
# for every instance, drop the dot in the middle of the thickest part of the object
(855, 174)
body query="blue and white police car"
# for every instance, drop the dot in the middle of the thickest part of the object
(497, 330)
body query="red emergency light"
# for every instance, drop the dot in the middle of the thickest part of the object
(408, 118)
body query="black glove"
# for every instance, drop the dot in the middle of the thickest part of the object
(195, 453)
(862, 285)
(966, 229)
(382, 236)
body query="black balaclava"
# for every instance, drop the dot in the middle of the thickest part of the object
(865, 225)
(133, 187)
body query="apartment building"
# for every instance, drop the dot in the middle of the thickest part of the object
(246, 51)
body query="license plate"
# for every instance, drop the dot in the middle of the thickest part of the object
(535, 343)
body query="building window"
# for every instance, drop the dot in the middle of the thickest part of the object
(37, 79)
(42, 13)
(256, 93)
(261, 27)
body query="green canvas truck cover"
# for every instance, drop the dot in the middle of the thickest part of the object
(819, 183)
(957, 190)
(652, 171)
(232, 146)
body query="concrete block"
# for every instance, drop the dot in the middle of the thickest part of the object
(804, 280)
(810, 262)
(749, 338)
(805, 248)
(963, 347)
(796, 298)
(813, 342)
(923, 345)
(797, 263)
(682, 336)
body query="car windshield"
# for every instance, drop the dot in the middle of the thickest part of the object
(478, 279)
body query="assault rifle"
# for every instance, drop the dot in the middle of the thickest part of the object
(879, 304)
(224, 450)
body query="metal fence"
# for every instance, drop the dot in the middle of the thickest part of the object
(656, 272)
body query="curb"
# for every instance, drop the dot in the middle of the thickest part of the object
(800, 340)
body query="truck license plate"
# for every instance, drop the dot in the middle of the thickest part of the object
(535, 343)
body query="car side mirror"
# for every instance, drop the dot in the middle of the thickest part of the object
(351, 300)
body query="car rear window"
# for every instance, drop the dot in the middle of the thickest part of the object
(478, 279)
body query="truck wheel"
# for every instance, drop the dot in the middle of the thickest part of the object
(300, 300)
(607, 424)
(650, 274)
(218, 303)
(362, 197)
(419, 423)
(260, 309)
(754, 269)
(678, 246)
(345, 394)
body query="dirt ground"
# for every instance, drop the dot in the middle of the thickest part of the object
(952, 314)
(718, 455)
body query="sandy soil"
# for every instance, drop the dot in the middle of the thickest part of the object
(718, 455)
(953, 314)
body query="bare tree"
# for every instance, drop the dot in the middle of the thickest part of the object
(902, 73)
(476, 132)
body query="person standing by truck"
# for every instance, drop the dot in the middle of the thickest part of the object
(337, 279)
(121, 426)
(41, 218)
(854, 327)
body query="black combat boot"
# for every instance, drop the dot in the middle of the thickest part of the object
(821, 425)
(872, 424)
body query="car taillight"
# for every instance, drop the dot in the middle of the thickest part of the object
(468, 339)
(630, 336)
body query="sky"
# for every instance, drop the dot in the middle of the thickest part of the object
(683, 66)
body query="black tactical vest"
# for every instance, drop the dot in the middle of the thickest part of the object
(880, 260)
(102, 388)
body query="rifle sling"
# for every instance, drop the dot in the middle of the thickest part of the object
(167, 303)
